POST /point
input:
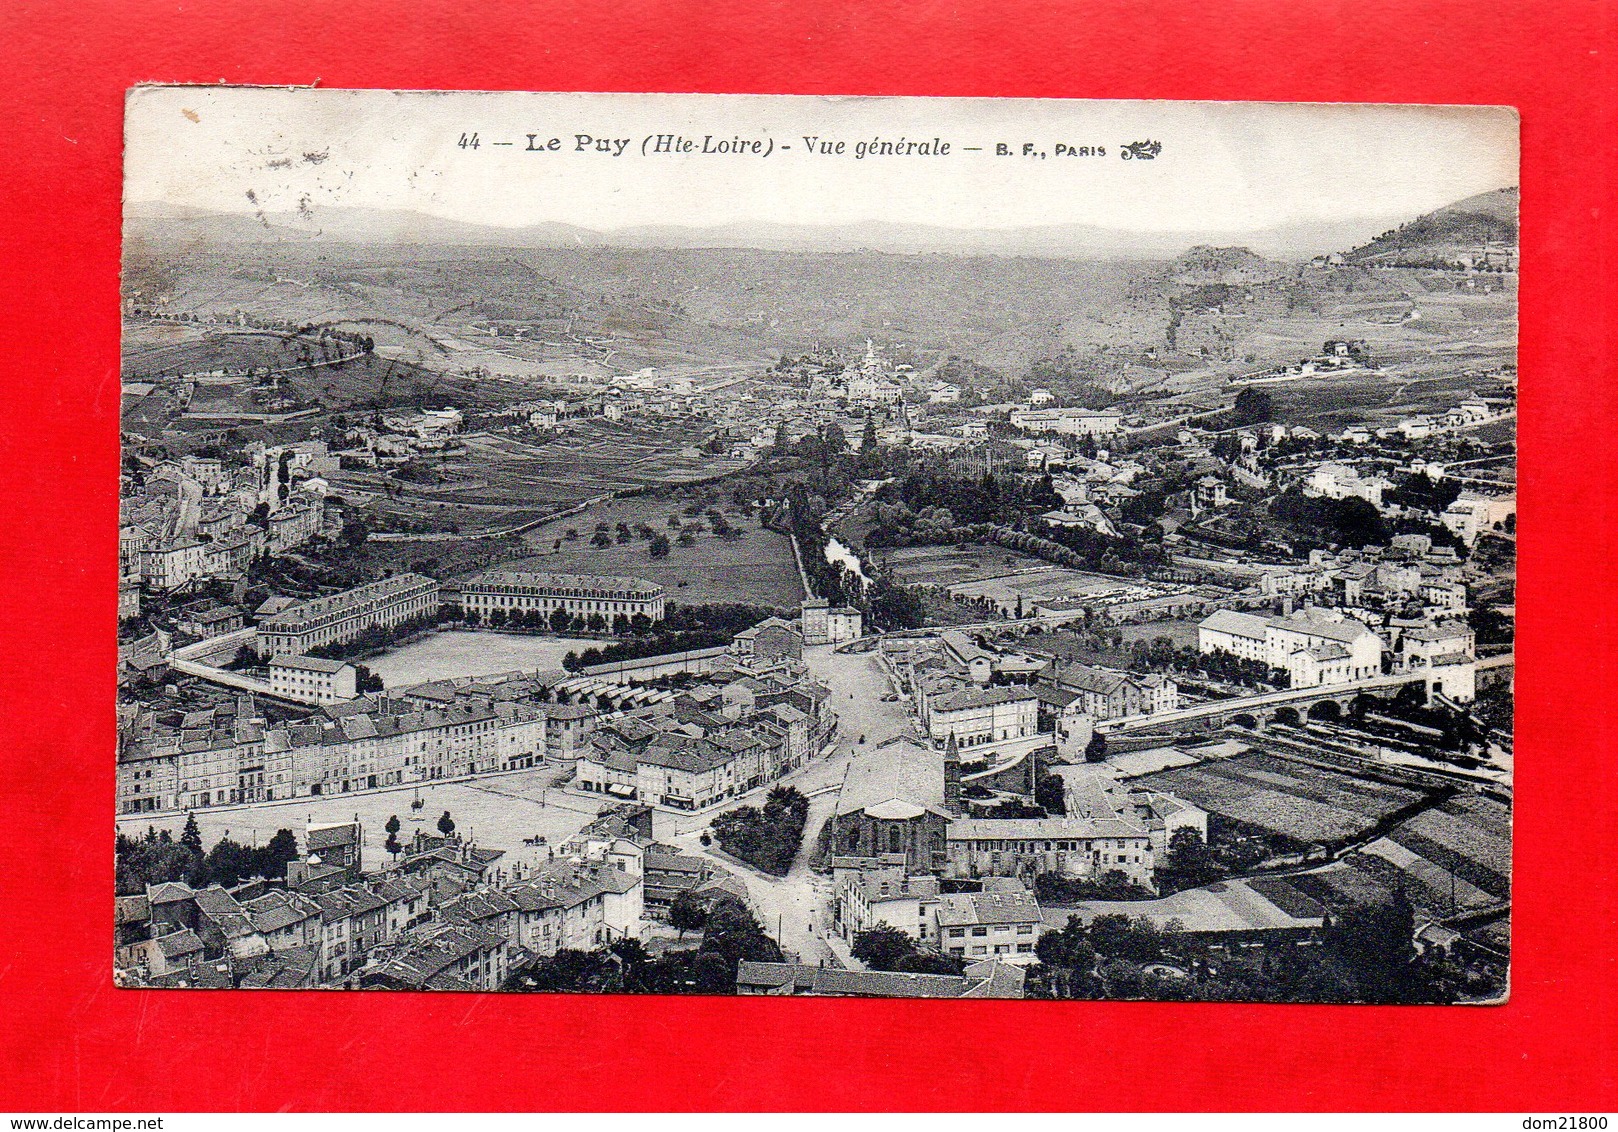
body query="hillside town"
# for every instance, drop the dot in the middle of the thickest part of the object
(993, 773)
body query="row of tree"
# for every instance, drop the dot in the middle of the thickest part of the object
(683, 627)
(160, 858)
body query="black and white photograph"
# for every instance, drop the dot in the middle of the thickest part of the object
(680, 544)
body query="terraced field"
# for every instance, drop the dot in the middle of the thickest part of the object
(179, 350)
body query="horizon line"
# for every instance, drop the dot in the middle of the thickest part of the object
(250, 214)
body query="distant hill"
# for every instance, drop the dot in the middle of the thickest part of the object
(1457, 229)
(164, 223)
(1204, 266)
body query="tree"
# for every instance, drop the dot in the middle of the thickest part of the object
(1377, 944)
(1253, 406)
(355, 531)
(1095, 750)
(366, 681)
(1188, 862)
(833, 440)
(732, 932)
(882, 947)
(277, 853)
(713, 974)
(446, 824)
(1050, 794)
(560, 619)
(687, 913)
(392, 844)
(659, 546)
(868, 436)
(191, 836)
(392, 825)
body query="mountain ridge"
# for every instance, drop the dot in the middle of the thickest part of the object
(1297, 241)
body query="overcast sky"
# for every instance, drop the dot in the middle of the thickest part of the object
(1225, 166)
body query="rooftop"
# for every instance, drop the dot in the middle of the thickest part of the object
(956, 909)
(308, 664)
(900, 770)
(568, 582)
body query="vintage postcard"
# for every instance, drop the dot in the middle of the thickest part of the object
(904, 547)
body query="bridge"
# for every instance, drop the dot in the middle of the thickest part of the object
(1264, 705)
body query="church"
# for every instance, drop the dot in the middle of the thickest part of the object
(899, 798)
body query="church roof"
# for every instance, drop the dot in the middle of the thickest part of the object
(895, 778)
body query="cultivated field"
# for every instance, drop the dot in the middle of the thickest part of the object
(1454, 858)
(503, 481)
(758, 568)
(949, 565)
(1469, 836)
(1298, 801)
(1182, 633)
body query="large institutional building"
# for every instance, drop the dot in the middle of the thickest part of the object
(583, 594)
(1314, 646)
(343, 616)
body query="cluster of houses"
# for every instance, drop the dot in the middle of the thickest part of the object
(1323, 646)
(199, 518)
(401, 435)
(743, 727)
(1410, 572)
(999, 704)
(1471, 514)
(444, 914)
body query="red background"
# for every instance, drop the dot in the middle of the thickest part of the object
(70, 1041)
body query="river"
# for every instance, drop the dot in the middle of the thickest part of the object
(838, 553)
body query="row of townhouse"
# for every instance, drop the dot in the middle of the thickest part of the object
(169, 566)
(978, 717)
(192, 769)
(218, 543)
(1109, 693)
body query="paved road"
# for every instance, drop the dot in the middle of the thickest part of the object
(800, 902)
